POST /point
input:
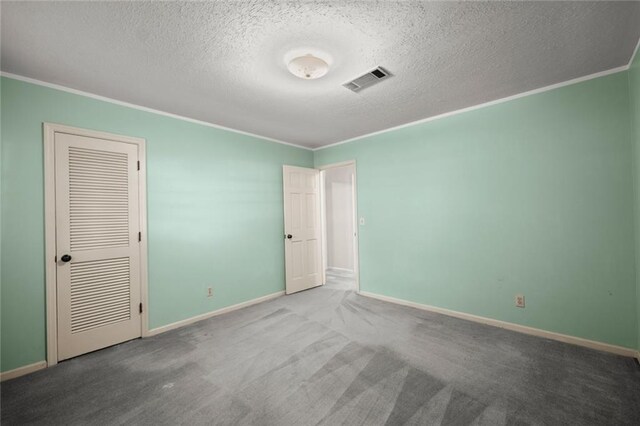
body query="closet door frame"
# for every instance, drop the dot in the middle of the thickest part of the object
(49, 131)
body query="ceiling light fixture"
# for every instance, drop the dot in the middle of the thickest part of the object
(308, 67)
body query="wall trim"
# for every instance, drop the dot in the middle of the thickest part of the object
(21, 371)
(141, 108)
(197, 318)
(337, 165)
(633, 55)
(483, 105)
(592, 344)
(401, 126)
(40, 365)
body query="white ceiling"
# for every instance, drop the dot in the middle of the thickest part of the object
(222, 62)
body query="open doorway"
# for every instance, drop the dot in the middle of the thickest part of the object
(339, 218)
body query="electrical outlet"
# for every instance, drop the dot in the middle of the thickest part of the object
(210, 292)
(519, 301)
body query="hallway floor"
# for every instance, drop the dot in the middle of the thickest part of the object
(328, 356)
(340, 280)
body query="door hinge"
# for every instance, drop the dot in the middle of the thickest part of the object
(140, 307)
(138, 165)
(139, 236)
(55, 259)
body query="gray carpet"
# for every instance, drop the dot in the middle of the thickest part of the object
(325, 357)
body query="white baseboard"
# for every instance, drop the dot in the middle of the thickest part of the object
(182, 323)
(31, 368)
(21, 371)
(606, 347)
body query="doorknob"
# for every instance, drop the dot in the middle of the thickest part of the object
(65, 258)
(289, 236)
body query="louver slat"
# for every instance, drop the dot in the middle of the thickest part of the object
(99, 199)
(100, 293)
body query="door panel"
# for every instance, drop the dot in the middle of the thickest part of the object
(97, 225)
(302, 219)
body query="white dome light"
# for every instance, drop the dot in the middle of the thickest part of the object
(308, 67)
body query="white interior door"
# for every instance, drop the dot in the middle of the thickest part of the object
(303, 253)
(97, 237)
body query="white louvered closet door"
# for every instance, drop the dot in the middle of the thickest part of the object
(97, 225)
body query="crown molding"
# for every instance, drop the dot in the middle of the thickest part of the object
(142, 108)
(633, 56)
(483, 105)
(412, 123)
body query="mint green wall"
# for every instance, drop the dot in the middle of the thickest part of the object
(531, 196)
(214, 207)
(634, 90)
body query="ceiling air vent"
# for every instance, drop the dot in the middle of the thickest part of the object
(368, 79)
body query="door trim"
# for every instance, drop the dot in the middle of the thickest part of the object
(356, 243)
(49, 131)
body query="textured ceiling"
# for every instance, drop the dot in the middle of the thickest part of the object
(222, 62)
